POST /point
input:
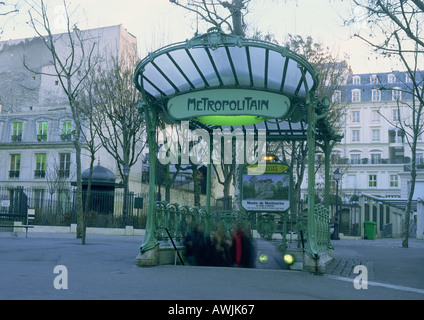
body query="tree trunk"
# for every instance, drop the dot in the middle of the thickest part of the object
(227, 186)
(405, 238)
(87, 206)
(196, 187)
(78, 203)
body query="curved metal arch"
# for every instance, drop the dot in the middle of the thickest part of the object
(217, 60)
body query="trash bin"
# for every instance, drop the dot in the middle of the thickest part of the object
(370, 230)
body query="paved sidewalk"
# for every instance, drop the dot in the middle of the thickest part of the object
(105, 269)
(385, 260)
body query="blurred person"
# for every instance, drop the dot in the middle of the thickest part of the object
(197, 246)
(241, 248)
(220, 249)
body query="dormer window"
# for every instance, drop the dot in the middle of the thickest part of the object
(375, 95)
(42, 131)
(356, 80)
(373, 79)
(396, 94)
(16, 131)
(356, 95)
(66, 134)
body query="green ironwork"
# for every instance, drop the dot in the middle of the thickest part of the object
(321, 215)
(201, 54)
(179, 220)
(219, 61)
(288, 227)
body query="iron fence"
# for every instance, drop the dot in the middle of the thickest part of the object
(290, 228)
(58, 207)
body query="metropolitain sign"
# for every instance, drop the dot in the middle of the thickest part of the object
(228, 102)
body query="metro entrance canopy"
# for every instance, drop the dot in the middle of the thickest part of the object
(220, 80)
(215, 61)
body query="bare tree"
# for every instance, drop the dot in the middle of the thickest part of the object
(332, 72)
(396, 33)
(59, 177)
(87, 109)
(117, 120)
(71, 57)
(7, 9)
(225, 15)
(225, 172)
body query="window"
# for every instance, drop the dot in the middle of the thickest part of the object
(356, 80)
(355, 116)
(394, 181)
(420, 158)
(64, 165)
(373, 79)
(355, 158)
(375, 158)
(375, 95)
(372, 180)
(40, 165)
(15, 165)
(42, 131)
(395, 115)
(355, 135)
(396, 136)
(66, 131)
(16, 131)
(375, 135)
(337, 96)
(407, 78)
(396, 94)
(375, 116)
(391, 78)
(356, 95)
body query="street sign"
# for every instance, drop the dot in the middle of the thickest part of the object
(216, 105)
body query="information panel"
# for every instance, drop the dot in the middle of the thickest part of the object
(269, 191)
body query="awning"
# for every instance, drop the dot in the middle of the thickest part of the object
(219, 61)
(216, 60)
(265, 85)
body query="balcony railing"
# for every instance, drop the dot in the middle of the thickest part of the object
(378, 161)
(63, 173)
(41, 137)
(16, 137)
(65, 137)
(13, 174)
(40, 173)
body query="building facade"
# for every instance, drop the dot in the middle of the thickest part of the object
(36, 123)
(374, 155)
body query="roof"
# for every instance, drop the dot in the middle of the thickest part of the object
(399, 203)
(216, 60)
(220, 61)
(370, 81)
(101, 176)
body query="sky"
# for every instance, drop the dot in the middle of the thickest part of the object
(156, 23)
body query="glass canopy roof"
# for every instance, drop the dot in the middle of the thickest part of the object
(217, 60)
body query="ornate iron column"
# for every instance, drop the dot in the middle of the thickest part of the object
(149, 248)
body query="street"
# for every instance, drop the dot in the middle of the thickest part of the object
(105, 269)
